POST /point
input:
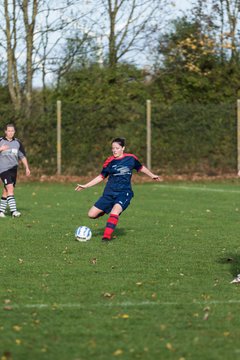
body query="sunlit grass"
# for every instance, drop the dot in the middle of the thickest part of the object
(160, 290)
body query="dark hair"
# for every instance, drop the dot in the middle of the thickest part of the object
(9, 125)
(120, 141)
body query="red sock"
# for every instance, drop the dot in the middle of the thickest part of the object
(110, 226)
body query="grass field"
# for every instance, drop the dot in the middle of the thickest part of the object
(160, 290)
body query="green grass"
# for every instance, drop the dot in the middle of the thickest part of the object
(160, 290)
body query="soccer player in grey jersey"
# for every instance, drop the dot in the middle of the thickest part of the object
(11, 152)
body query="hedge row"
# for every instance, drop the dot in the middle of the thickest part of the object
(185, 138)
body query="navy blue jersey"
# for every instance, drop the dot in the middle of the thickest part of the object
(119, 172)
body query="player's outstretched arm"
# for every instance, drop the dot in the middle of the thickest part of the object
(93, 182)
(146, 171)
(25, 163)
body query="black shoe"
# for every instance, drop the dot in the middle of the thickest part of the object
(104, 239)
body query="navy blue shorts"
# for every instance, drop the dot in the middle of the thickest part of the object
(106, 202)
(9, 176)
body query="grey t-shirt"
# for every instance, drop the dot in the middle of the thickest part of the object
(9, 158)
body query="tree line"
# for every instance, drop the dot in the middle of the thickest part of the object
(103, 59)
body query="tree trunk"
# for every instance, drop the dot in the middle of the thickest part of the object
(29, 30)
(12, 74)
(232, 14)
(112, 36)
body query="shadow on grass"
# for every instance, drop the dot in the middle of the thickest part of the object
(234, 263)
(118, 232)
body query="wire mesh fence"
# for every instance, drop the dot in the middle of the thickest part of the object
(185, 137)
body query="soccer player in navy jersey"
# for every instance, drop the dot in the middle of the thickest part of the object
(11, 152)
(118, 190)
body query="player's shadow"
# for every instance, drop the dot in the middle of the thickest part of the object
(118, 232)
(234, 263)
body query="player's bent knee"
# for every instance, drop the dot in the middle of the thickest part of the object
(92, 214)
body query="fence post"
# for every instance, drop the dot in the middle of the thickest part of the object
(59, 145)
(149, 165)
(238, 137)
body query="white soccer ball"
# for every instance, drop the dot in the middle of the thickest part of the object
(83, 233)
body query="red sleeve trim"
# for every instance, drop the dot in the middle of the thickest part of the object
(111, 158)
(135, 157)
(108, 161)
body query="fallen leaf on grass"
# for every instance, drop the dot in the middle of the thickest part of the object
(108, 295)
(169, 347)
(118, 352)
(121, 316)
(93, 261)
(6, 356)
(8, 308)
(66, 249)
(124, 316)
(17, 328)
(18, 341)
(195, 315)
(206, 315)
